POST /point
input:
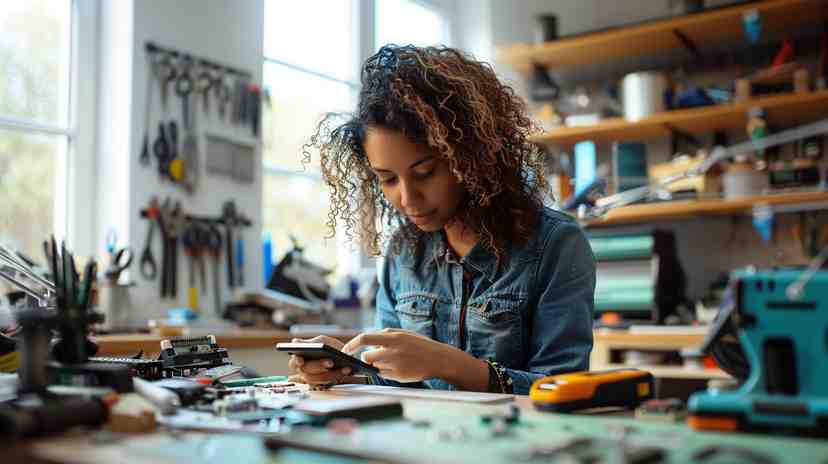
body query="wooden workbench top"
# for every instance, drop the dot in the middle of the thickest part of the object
(130, 344)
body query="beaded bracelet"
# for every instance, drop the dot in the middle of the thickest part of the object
(504, 382)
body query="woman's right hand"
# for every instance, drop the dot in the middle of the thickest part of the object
(317, 371)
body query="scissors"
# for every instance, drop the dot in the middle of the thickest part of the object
(119, 258)
(121, 261)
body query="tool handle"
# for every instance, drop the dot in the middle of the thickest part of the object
(240, 261)
(166, 401)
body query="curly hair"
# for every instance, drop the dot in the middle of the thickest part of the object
(444, 99)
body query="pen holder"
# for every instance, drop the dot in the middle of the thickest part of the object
(116, 306)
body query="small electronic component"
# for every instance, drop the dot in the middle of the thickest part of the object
(146, 369)
(226, 371)
(359, 408)
(625, 388)
(662, 410)
(188, 356)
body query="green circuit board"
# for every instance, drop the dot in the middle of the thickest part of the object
(445, 432)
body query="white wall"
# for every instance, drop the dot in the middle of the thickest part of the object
(228, 32)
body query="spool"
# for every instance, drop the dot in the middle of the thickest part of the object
(643, 94)
(741, 179)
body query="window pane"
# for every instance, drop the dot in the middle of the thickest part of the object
(298, 206)
(313, 34)
(28, 173)
(297, 203)
(34, 60)
(405, 22)
(299, 100)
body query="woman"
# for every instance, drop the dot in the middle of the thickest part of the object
(483, 288)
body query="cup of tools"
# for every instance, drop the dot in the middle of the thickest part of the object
(116, 305)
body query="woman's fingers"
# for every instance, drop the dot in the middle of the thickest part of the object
(368, 339)
(375, 356)
(296, 362)
(318, 366)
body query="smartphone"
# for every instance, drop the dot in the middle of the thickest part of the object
(323, 351)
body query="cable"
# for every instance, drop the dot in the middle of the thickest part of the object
(794, 290)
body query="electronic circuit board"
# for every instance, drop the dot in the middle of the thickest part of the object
(443, 432)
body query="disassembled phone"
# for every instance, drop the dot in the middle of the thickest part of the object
(323, 351)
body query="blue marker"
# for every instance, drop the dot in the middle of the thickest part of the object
(752, 23)
(267, 256)
(240, 261)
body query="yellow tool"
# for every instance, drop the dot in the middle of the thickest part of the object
(625, 388)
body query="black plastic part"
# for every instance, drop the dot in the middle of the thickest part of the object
(55, 415)
(91, 374)
(779, 363)
(339, 358)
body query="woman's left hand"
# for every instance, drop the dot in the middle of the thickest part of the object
(401, 355)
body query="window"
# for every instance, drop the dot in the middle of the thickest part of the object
(410, 22)
(309, 71)
(36, 133)
(310, 66)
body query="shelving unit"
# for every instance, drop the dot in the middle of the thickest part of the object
(642, 213)
(782, 110)
(668, 339)
(715, 27)
(676, 372)
(660, 37)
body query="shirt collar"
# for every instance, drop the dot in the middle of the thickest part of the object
(479, 258)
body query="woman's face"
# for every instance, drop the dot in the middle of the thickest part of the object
(415, 180)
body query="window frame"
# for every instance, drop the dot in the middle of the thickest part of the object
(76, 165)
(364, 25)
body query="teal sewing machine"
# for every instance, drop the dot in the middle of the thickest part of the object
(781, 321)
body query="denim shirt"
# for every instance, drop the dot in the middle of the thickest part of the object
(533, 314)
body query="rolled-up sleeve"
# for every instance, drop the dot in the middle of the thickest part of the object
(561, 328)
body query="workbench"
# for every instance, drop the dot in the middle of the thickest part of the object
(251, 348)
(437, 432)
(254, 348)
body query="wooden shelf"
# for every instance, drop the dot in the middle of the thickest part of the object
(782, 110)
(665, 340)
(673, 372)
(661, 37)
(695, 208)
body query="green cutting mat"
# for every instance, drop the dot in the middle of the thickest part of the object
(456, 434)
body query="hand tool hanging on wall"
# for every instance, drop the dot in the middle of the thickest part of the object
(223, 95)
(190, 153)
(254, 108)
(172, 132)
(145, 148)
(161, 149)
(172, 221)
(229, 86)
(214, 248)
(206, 239)
(147, 265)
(204, 82)
(190, 241)
(239, 91)
(166, 73)
(240, 260)
(183, 89)
(229, 218)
